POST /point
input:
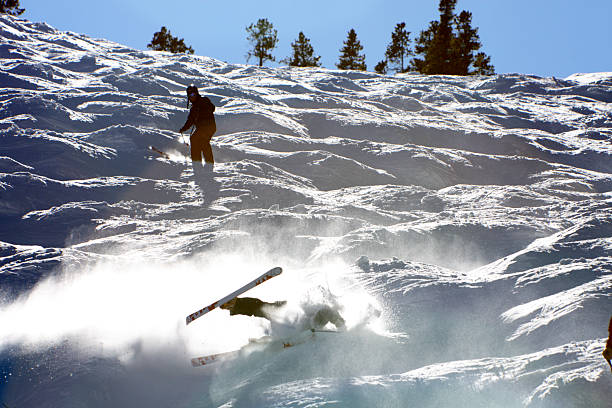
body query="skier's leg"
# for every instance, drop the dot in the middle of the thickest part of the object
(206, 148)
(199, 173)
(196, 147)
(328, 315)
(607, 355)
(207, 151)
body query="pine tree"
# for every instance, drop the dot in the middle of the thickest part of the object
(381, 67)
(437, 59)
(263, 37)
(164, 41)
(399, 48)
(350, 57)
(303, 53)
(448, 45)
(422, 45)
(10, 7)
(465, 41)
(483, 66)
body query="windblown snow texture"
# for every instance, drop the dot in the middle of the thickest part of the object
(475, 210)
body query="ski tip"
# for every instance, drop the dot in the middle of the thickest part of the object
(275, 271)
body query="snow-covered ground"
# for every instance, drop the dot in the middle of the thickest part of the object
(473, 212)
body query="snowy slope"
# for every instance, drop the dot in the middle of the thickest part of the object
(473, 212)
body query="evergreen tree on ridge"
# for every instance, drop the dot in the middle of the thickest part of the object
(448, 46)
(349, 54)
(11, 7)
(263, 37)
(163, 40)
(303, 53)
(399, 48)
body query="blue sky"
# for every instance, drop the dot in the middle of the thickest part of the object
(541, 37)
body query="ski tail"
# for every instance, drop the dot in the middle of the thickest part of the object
(257, 281)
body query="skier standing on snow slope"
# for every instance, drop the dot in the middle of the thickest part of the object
(201, 115)
(255, 307)
(607, 353)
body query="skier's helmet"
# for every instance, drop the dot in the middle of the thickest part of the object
(192, 89)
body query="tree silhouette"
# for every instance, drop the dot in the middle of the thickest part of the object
(438, 56)
(349, 54)
(303, 53)
(10, 7)
(482, 63)
(422, 46)
(381, 67)
(465, 41)
(263, 38)
(448, 45)
(164, 41)
(399, 48)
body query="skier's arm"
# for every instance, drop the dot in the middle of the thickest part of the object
(190, 121)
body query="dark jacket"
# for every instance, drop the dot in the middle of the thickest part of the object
(201, 114)
(254, 307)
(248, 307)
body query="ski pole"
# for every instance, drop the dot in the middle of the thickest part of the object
(185, 143)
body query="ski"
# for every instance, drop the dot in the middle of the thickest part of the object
(161, 153)
(212, 358)
(265, 342)
(257, 281)
(254, 344)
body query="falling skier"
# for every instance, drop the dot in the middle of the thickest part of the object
(201, 115)
(255, 307)
(607, 353)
